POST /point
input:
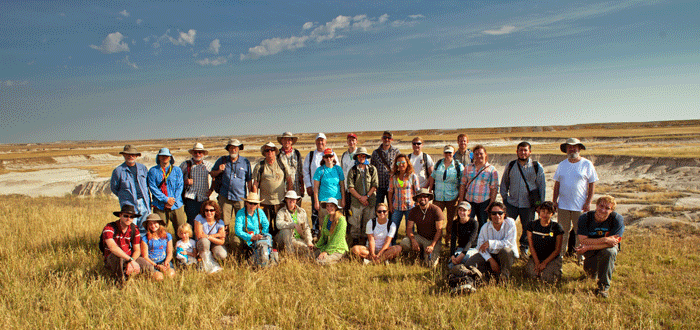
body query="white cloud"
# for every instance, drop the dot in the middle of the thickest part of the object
(112, 44)
(131, 64)
(139, 21)
(124, 13)
(321, 33)
(417, 16)
(213, 62)
(184, 38)
(214, 46)
(503, 30)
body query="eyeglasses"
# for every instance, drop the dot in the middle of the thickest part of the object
(268, 150)
(401, 162)
(386, 137)
(198, 152)
(497, 212)
(209, 210)
(382, 211)
(129, 216)
(417, 143)
(328, 156)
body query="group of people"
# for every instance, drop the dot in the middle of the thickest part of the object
(359, 200)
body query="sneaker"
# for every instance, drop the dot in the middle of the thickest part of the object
(365, 261)
(580, 259)
(463, 288)
(602, 293)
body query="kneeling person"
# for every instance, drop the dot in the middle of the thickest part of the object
(157, 248)
(464, 236)
(545, 240)
(497, 244)
(122, 244)
(428, 220)
(379, 234)
(331, 246)
(294, 231)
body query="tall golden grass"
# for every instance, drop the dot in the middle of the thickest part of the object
(52, 276)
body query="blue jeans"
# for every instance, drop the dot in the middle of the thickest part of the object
(192, 208)
(396, 219)
(479, 211)
(467, 255)
(144, 211)
(526, 215)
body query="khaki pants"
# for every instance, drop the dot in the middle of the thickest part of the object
(204, 245)
(357, 223)
(431, 259)
(330, 259)
(551, 273)
(177, 217)
(568, 219)
(505, 259)
(285, 239)
(229, 208)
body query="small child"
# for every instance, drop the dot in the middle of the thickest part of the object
(186, 251)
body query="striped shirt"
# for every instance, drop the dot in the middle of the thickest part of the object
(199, 173)
(404, 192)
(479, 190)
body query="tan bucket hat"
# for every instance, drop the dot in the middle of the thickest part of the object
(154, 217)
(421, 192)
(253, 198)
(199, 147)
(361, 151)
(130, 150)
(287, 135)
(235, 143)
(571, 142)
(291, 194)
(268, 145)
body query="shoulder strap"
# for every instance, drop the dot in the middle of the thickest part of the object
(425, 164)
(383, 157)
(523, 176)
(477, 175)
(261, 171)
(257, 214)
(374, 223)
(311, 160)
(537, 167)
(506, 175)
(457, 164)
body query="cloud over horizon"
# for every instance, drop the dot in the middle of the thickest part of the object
(503, 30)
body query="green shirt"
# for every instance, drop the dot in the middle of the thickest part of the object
(333, 243)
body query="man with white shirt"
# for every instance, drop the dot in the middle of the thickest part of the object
(422, 163)
(347, 161)
(311, 163)
(497, 244)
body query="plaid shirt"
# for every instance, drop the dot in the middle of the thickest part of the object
(403, 196)
(382, 172)
(480, 189)
(200, 174)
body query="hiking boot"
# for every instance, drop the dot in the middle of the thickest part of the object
(580, 259)
(602, 293)
(463, 288)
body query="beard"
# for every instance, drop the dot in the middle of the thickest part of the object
(523, 159)
(233, 154)
(573, 155)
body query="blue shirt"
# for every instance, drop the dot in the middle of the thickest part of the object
(122, 184)
(174, 183)
(157, 248)
(447, 189)
(329, 179)
(613, 225)
(234, 177)
(254, 222)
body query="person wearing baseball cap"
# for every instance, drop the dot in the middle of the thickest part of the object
(129, 184)
(195, 172)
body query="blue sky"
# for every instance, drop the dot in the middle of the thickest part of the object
(83, 70)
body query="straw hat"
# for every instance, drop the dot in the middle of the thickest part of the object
(198, 147)
(235, 143)
(287, 135)
(571, 142)
(253, 198)
(361, 151)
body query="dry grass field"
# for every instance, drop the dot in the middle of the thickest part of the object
(52, 273)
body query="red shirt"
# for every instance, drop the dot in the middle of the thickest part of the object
(123, 240)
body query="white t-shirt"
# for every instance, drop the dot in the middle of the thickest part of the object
(188, 247)
(573, 181)
(380, 233)
(347, 162)
(418, 168)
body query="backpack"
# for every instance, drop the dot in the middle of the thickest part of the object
(354, 172)
(186, 175)
(115, 224)
(263, 253)
(425, 163)
(279, 163)
(457, 163)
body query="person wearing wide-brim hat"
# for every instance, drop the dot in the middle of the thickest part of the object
(122, 184)
(331, 245)
(362, 182)
(291, 157)
(574, 186)
(165, 183)
(294, 231)
(271, 180)
(157, 247)
(252, 225)
(429, 221)
(195, 173)
(232, 179)
(122, 244)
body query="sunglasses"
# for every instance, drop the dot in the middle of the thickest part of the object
(386, 137)
(497, 213)
(197, 152)
(268, 150)
(129, 216)
(209, 210)
(382, 211)
(417, 143)
(401, 162)
(328, 156)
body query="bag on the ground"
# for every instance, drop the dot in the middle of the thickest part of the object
(263, 254)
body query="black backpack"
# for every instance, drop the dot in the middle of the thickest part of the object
(115, 225)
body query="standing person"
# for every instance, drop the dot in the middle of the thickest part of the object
(428, 219)
(195, 172)
(234, 174)
(496, 243)
(463, 154)
(271, 180)
(329, 182)
(362, 184)
(379, 233)
(121, 242)
(331, 246)
(291, 157)
(600, 233)
(165, 183)
(422, 163)
(523, 189)
(294, 230)
(545, 240)
(479, 185)
(403, 186)
(129, 184)
(311, 163)
(157, 247)
(347, 161)
(574, 184)
(381, 159)
(444, 182)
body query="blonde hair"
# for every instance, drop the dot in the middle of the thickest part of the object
(184, 228)
(380, 204)
(607, 199)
